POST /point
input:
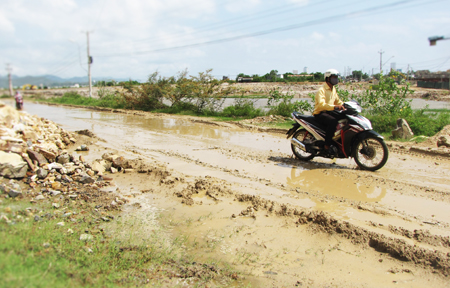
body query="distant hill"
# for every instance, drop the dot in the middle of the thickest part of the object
(50, 80)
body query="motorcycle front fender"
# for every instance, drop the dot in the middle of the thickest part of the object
(366, 134)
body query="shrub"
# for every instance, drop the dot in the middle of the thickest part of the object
(420, 122)
(207, 93)
(281, 104)
(242, 108)
(387, 99)
(149, 95)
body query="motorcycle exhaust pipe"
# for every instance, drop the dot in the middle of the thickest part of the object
(298, 144)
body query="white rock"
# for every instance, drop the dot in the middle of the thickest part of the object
(55, 192)
(12, 165)
(55, 165)
(86, 237)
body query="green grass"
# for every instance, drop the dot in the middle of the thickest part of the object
(122, 253)
(420, 122)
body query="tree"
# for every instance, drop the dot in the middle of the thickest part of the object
(357, 74)
(318, 76)
(242, 75)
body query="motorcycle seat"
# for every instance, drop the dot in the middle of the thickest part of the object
(310, 119)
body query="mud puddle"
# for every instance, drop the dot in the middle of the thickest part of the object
(271, 251)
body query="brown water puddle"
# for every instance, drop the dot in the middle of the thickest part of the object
(322, 182)
(273, 251)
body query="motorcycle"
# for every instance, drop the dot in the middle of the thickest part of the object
(354, 137)
(19, 103)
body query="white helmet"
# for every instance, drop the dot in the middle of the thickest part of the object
(331, 72)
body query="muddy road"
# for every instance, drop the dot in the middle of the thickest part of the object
(237, 196)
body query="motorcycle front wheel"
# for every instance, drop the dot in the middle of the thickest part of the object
(302, 135)
(371, 153)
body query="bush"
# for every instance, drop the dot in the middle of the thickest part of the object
(242, 108)
(206, 93)
(111, 101)
(281, 104)
(387, 99)
(148, 96)
(427, 124)
(420, 122)
(179, 108)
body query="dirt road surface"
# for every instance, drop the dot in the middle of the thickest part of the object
(238, 197)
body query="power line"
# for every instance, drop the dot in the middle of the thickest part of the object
(99, 14)
(239, 20)
(426, 61)
(357, 13)
(64, 68)
(63, 62)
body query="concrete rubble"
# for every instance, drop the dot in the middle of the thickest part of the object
(33, 154)
(403, 131)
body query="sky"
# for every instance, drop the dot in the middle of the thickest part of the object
(132, 39)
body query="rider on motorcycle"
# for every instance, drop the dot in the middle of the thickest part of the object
(327, 101)
(19, 100)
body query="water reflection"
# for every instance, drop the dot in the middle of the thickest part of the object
(318, 181)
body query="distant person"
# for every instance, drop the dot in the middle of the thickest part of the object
(19, 100)
(327, 102)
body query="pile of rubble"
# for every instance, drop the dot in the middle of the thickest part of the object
(33, 154)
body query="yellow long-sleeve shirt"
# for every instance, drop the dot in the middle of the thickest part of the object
(326, 99)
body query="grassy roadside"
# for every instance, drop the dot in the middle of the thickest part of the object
(426, 122)
(44, 246)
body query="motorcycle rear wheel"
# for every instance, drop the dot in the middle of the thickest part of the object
(299, 153)
(371, 153)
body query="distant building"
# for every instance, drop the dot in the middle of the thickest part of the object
(280, 76)
(295, 72)
(393, 66)
(436, 80)
(305, 70)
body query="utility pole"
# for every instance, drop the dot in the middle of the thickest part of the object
(407, 74)
(89, 58)
(9, 70)
(381, 60)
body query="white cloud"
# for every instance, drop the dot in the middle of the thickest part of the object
(5, 24)
(301, 2)
(317, 36)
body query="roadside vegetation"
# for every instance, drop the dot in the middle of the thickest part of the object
(77, 248)
(203, 95)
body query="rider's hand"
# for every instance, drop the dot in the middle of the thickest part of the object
(339, 107)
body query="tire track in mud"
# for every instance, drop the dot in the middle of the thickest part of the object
(358, 176)
(418, 252)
